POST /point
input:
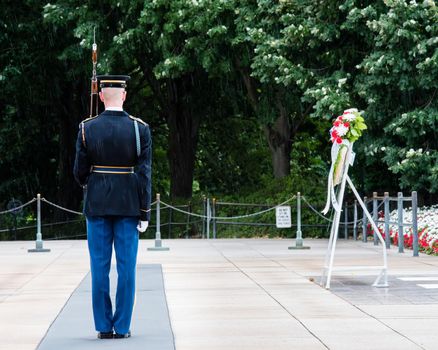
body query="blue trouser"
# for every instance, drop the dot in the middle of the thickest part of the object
(102, 231)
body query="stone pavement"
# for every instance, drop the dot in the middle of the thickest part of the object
(240, 294)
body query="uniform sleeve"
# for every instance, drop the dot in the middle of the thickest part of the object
(144, 169)
(81, 169)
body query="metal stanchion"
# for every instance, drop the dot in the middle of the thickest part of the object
(364, 222)
(157, 232)
(39, 236)
(299, 244)
(346, 221)
(375, 217)
(355, 220)
(208, 218)
(387, 213)
(214, 220)
(169, 228)
(189, 209)
(204, 212)
(414, 222)
(401, 239)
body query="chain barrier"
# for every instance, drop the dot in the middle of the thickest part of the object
(68, 210)
(62, 208)
(19, 207)
(329, 220)
(228, 217)
(63, 237)
(167, 205)
(315, 211)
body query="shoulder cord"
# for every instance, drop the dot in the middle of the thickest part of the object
(137, 138)
(83, 134)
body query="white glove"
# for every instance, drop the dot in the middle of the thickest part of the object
(142, 226)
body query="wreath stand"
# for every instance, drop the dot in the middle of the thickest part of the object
(331, 249)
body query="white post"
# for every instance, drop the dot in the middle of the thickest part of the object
(386, 210)
(158, 245)
(208, 218)
(414, 199)
(39, 236)
(355, 221)
(299, 244)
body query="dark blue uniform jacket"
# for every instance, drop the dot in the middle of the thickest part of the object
(110, 141)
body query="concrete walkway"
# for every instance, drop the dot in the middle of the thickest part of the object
(73, 328)
(240, 294)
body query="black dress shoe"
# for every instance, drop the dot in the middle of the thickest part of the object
(105, 335)
(119, 336)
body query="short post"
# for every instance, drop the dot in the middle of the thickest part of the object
(346, 221)
(158, 245)
(39, 236)
(364, 221)
(213, 214)
(386, 209)
(208, 218)
(355, 220)
(401, 240)
(415, 222)
(375, 218)
(169, 229)
(204, 212)
(299, 244)
(189, 209)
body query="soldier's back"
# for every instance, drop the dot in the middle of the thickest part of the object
(112, 187)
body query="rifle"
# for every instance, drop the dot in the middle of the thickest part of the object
(94, 96)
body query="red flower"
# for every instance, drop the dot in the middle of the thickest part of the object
(337, 123)
(334, 134)
(347, 124)
(338, 140)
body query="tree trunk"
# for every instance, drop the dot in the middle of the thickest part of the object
(183, 137)
(175, 97)
(279, 134)
(280, 144)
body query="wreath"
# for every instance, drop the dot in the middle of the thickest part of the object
(346, 129)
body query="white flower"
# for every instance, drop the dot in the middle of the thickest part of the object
(351, 110)
(341, 82)
(410, 153)
(349, 117)
(341, 130)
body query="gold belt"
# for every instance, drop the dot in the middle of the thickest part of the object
(112, 169)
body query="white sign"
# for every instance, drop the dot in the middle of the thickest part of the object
(283, 217)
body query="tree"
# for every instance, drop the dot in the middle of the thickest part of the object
(398, 81)
(36, 118)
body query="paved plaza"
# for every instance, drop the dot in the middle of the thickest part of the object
(234, 294)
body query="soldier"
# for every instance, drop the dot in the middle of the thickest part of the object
(113, 165)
